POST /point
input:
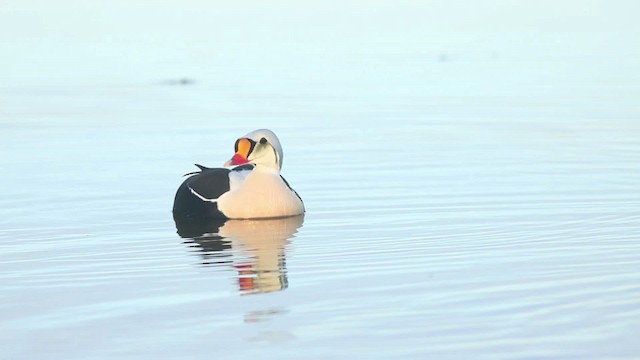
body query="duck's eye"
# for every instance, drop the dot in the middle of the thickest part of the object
(263, 141)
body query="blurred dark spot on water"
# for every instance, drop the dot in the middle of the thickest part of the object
(184, 81)
(444, 58)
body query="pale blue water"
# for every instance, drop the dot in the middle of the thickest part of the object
(471, 180)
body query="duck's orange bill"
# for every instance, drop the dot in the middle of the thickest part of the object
(243, 147)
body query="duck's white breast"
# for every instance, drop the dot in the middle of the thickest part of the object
(259, 194)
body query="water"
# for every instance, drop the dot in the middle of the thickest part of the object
(470, 192)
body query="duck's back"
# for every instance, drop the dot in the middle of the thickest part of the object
(198, 194)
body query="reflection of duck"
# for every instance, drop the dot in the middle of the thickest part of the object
(252, 189)
(255, 248)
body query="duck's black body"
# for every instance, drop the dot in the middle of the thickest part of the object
(209, 183)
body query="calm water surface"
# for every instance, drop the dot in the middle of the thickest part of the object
(459, 205)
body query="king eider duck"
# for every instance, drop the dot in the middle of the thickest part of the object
(248, 187)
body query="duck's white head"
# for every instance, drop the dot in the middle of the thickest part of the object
(260, 147)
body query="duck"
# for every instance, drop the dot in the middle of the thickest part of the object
(249, 186)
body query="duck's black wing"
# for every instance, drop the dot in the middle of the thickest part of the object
(198, 194)
(197, 197)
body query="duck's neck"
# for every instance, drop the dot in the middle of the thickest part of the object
(267, 169)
